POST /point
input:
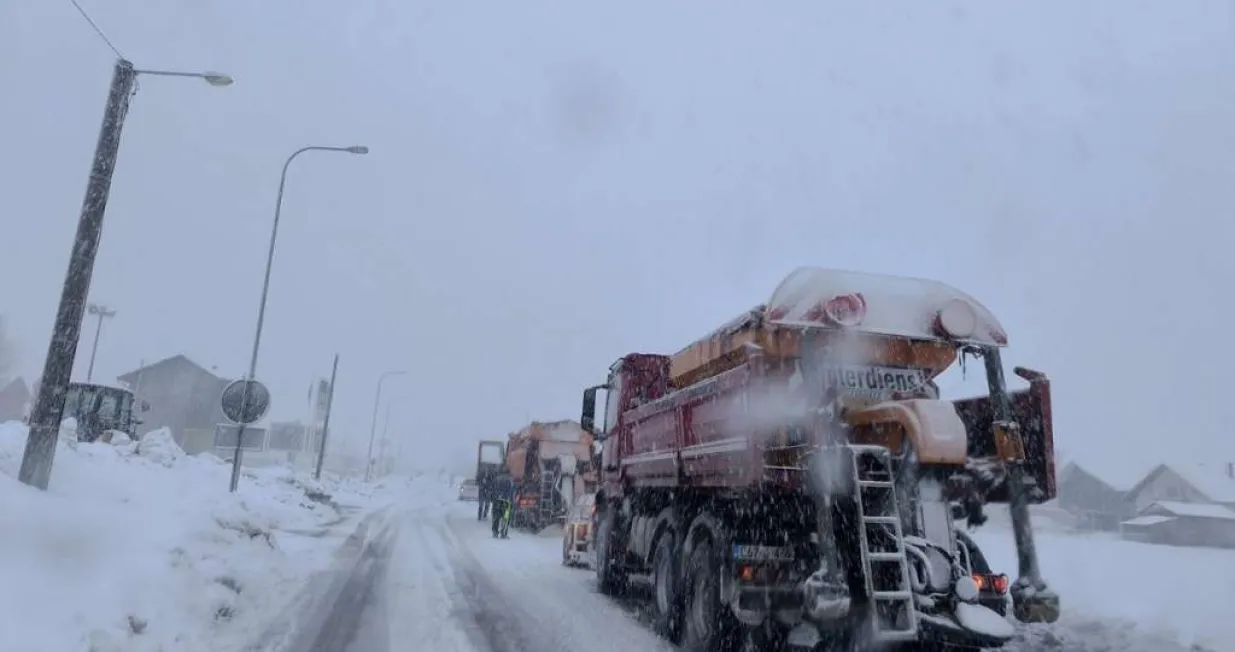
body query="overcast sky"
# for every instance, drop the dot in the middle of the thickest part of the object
(553, 185)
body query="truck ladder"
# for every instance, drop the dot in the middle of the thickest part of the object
(886, 571)
(544, 506)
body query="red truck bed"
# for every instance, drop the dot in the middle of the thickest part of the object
(705, 436)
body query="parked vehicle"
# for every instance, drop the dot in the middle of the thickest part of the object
(792, 479)
(577, 532)
(99, 409)
(549, 463)
(469, 490)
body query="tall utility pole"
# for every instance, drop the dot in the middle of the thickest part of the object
(377, 400)
(321, 454)
(48, 406)
(382, 452)
(102, 313)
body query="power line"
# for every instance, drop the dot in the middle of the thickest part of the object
(97, 29)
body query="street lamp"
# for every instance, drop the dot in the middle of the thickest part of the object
(212, 78)
(377, 399)
(261, 308)
(102, 313)
(40, 452)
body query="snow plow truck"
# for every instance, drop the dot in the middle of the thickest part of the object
(549, 462)
(793, 481)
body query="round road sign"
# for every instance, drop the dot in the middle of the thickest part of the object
(233, 402)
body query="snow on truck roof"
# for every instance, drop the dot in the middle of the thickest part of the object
(881, 304)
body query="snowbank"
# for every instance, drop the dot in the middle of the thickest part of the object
(137, 546)
(1123, 595)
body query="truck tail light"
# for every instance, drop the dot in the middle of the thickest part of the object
(843, 310)
(996, 583)
(762, 574)
(957, 320)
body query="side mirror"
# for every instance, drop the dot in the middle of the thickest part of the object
(587, 416)
(145, 406)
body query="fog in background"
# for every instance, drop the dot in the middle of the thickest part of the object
(553, 185)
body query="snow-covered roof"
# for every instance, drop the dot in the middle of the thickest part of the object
(1120, 474)
(1197, 510)
(1151, 519)
(1210, 479)
(895, 305)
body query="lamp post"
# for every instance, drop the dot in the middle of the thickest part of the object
(48, 406)
(102, 312)
(261, 307)
(377, 399)
(383, 451)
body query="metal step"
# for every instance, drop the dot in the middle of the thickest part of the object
(872, 472)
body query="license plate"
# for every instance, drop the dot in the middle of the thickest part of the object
(762, 553)
(873, 381)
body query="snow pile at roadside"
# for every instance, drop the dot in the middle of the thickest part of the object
(1123, 595)
(137, 546)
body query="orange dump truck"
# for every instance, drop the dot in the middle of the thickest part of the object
(550, 463)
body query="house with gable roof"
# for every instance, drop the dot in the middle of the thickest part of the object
(1184, 504)
(1097, 500)
(183, 396)
(1186, 482)
(14, 400)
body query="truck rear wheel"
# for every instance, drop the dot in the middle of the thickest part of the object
(707, 624)
(610, 577)
(666, 587)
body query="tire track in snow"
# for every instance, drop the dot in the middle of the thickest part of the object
(342, 622)
(497, 620)
(536, 604)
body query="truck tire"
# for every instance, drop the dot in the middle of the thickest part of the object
(667, 587)
(610, 576)
(707, 624)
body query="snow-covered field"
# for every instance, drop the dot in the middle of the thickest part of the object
(136, 547)
(1124, 596)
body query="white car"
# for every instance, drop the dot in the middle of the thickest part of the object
(469, 490)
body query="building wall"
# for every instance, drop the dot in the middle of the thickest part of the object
(184, 398)
(1189, 531)
(1168, 485)
(1095, 504)
(164, 388)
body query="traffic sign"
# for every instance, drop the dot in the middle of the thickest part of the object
(225, 439)
(237, 410)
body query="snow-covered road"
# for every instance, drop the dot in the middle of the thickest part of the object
(433, 578)
(447, 585)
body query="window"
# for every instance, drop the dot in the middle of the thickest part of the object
(109, 407)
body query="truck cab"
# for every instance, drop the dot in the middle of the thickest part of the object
(102, 408)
